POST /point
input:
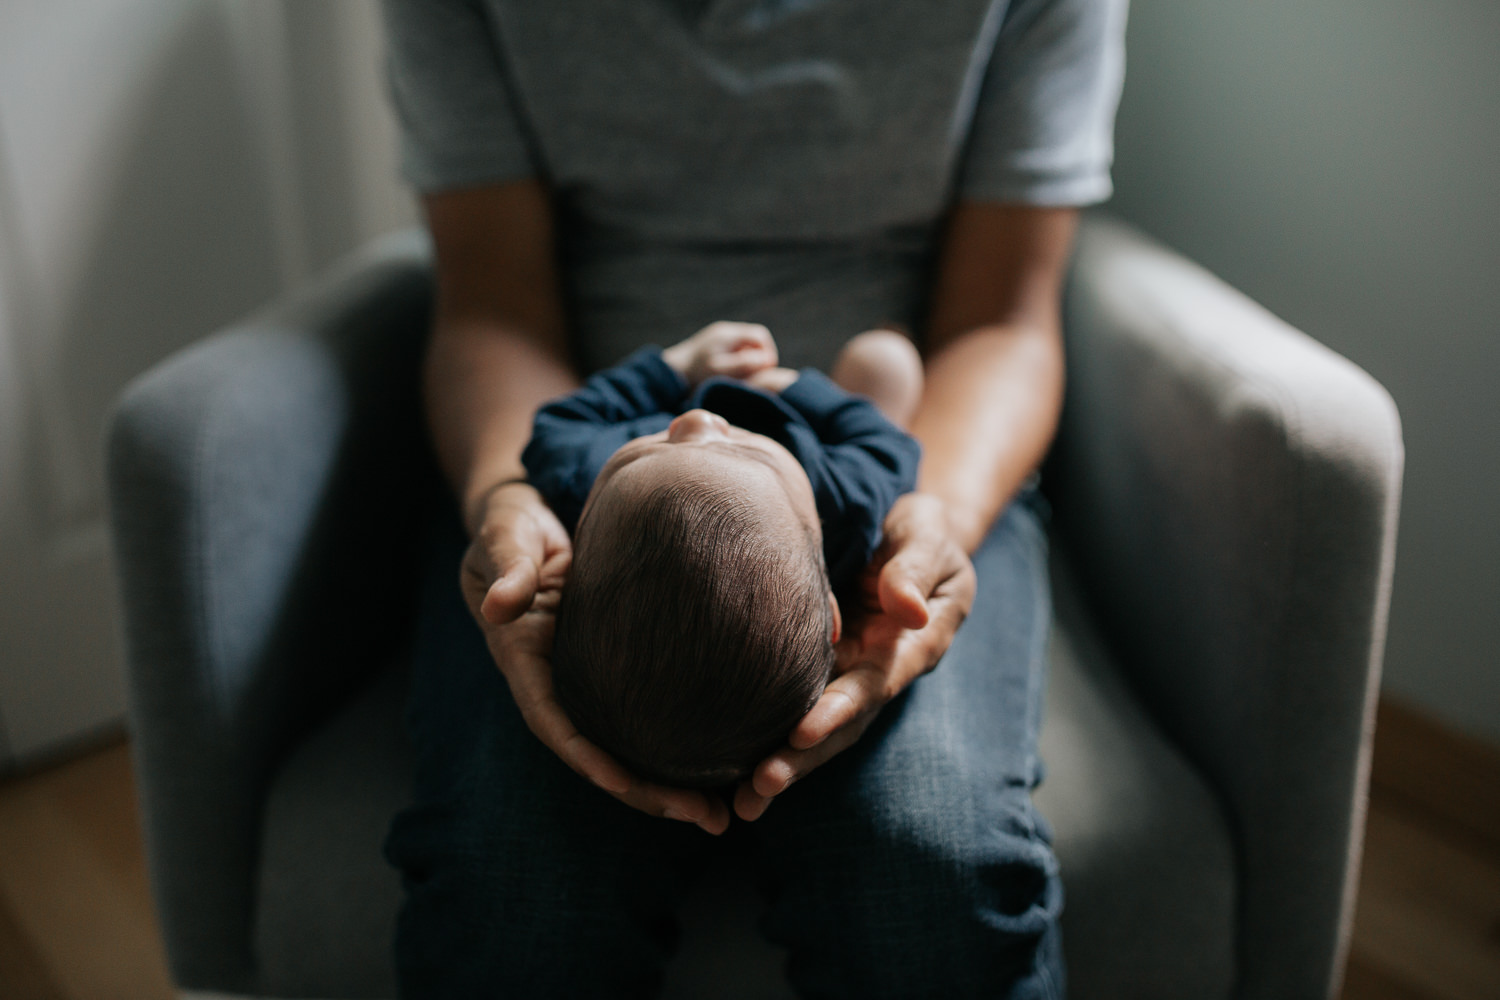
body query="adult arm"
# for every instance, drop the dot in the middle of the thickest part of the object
(498, 351)
(994, 360)
(994, 365)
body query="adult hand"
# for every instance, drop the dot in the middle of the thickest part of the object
(919, 588)
(512, 579)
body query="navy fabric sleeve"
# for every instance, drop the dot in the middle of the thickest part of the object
(858, 465)
(572, 437)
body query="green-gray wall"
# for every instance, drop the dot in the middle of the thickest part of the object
(1340, 162)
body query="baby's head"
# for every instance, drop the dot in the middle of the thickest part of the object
(697, 624)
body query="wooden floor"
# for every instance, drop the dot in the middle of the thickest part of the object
(75, 911)
(1427, 924)
(76, 920)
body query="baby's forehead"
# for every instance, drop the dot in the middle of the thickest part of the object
(731, 474)
(724, 465)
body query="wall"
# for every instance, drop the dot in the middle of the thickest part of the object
(165, 166)
(1340, 162)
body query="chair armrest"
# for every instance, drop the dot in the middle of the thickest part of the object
(1228, 490)
(247, 475)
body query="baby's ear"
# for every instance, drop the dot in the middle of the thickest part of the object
(838, 619)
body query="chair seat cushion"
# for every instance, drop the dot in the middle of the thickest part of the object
(1148, 862)
(1147, 858)
(326, 906)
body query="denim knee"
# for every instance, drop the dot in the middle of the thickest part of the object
(915, 881)
(525, 909)
(515, 869)
(914, 863)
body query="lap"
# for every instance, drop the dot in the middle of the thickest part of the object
(920, 844)
(916, 853)
(513, 866)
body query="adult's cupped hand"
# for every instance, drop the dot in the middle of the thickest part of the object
(512, 579)
(919, 588)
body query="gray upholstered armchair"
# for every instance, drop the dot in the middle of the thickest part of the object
(1225, 494)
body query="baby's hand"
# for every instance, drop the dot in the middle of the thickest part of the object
(733, 350)
(774, 380)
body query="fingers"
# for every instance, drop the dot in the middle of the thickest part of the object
(709, 813)
(923, 556)
(838, 719)
(833, 725)
(680, 804)
(683, 805)
(735, 350)
(750, 805)
(762, 337)
(594, 764)
(773, 380)
(743, 362)
(739, 350)
(731, 337)
(847, 697)
(780, 771)
(530, 684)
(910, 576)
(519, 548)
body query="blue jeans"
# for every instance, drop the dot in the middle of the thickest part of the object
(911, 865)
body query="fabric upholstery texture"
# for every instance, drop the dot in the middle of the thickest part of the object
(326, 899)
(1228, 490)
(1146, 850)
(1225, 492)
(247, 475)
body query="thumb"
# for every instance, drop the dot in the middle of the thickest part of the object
(513, 591)
(903, 590)
(912, 574)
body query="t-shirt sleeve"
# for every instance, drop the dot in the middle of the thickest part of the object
(1042, 132)
(460, 124)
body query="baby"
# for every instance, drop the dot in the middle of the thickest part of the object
(720, 508)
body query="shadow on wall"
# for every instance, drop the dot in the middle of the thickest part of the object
(188, 238)
(185, 239)
(228, 146)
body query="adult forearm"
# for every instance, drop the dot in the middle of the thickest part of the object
(499, 342)
(483, 383)
(987, 417)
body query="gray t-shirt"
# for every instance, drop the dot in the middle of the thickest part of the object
(778, 161)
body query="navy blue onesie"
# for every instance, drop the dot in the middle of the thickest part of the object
(857, 461)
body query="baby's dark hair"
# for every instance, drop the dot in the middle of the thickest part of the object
(692, 634)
